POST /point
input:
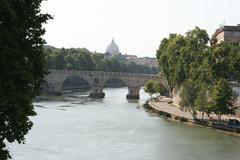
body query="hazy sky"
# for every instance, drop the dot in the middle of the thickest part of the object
(137, 26)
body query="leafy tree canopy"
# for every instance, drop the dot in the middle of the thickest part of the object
(154, 87)
(23, 67)
(222, 98)
(195, 67)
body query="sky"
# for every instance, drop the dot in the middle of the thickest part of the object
(137, 26)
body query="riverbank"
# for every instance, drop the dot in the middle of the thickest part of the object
(164, 108)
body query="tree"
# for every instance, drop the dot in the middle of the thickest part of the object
(180, 57)
(23, 67)
(161, 89)
(168, 55)
(154, 87)
(202, 101)
(188, 94)
(222, 98)
(59, 62)
(226, 61)
(150, 87)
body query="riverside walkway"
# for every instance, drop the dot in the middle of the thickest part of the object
(163, 105)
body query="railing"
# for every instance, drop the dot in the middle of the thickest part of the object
(103, 73)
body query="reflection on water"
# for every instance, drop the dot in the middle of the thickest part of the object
(75, 127)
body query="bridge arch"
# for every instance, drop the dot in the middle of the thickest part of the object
(75, 82)
(120, 80)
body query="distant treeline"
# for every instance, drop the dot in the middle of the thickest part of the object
(83, 59)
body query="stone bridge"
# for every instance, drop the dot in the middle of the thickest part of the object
(97, 79)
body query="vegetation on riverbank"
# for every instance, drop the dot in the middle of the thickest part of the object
(153, 87)
(200, 71)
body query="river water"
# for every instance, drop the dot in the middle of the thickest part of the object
(75, 127)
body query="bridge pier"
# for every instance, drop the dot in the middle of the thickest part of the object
(97, 92)
(133, 93)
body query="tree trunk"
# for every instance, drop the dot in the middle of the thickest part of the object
(193, 114)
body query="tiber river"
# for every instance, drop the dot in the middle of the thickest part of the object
(75, 127)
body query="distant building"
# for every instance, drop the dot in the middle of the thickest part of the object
(227, 33)
(132, 58)
(146, 61)
(112, 49)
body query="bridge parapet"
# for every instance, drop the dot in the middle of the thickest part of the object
(103, 73)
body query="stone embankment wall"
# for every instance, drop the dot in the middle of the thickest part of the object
(236, 89)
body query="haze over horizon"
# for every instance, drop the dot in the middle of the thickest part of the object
(138, 26)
